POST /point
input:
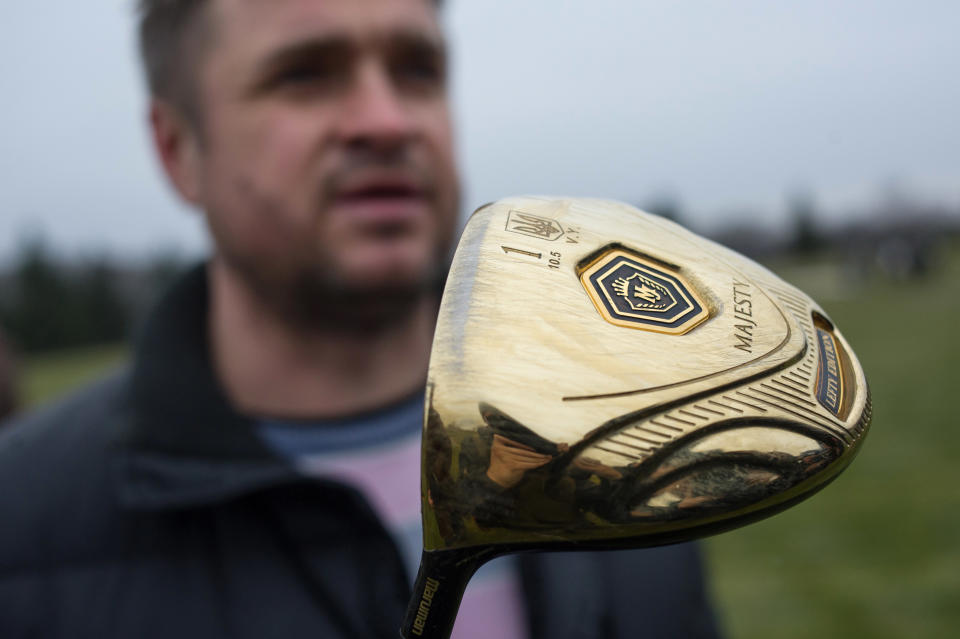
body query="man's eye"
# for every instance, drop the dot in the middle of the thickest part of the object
(313, 75)
(425, 72)
(302, 75)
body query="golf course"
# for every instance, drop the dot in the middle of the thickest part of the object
(876, 554)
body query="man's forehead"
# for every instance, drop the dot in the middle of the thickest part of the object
(267, 24)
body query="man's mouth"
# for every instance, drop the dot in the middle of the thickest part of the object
(387, 202)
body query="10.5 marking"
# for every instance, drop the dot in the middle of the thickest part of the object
(553, 261)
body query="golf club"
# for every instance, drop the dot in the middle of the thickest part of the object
(602, 378)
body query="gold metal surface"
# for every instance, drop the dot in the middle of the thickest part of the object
(551, 417)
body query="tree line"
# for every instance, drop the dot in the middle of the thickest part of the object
(49, 303)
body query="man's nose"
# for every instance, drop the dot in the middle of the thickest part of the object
(376, 115)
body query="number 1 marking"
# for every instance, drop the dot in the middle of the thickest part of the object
(510, 249)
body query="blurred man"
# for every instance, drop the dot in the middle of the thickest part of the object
(241, 479)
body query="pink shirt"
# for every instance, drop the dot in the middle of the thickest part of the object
(379, 454)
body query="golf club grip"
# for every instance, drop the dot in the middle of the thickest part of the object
(441, 580)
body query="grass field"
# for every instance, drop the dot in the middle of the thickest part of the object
(877, 553)
(48, 376)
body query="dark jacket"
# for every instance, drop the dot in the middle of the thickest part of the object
(144, 506)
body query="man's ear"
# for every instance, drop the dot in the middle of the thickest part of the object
(178, 147)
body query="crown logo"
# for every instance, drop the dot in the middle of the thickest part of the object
(622, 286)
(633, 291)
(643, 289)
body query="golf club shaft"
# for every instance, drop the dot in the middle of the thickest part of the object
(439, 587)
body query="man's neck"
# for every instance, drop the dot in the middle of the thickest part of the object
(270, 368)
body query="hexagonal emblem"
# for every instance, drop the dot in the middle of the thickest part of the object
(629, 290)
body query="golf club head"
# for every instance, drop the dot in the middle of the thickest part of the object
(603, 378)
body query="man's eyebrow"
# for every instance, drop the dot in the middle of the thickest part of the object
(317, 47)
(418, 41)
(332, 46)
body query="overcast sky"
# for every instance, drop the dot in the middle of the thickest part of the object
(726, 106)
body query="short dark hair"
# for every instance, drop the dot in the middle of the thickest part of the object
(170, 35)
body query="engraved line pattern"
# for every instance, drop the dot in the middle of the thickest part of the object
(644, 450)
(647, 447)
(783, 387)
(801, 412)
(643, 439)
(733, 408)
(700, 413)
(678, 420)
(662, 425)
(688, 411)
(637, 453)
(646, 428)
(800, 308)
(788, 297)
(807, 368)
(788, 392)
(785, 381)
(840, 432)
(740, 401)
(796, 311)
(867, 416)
(795, 308)
(785, 404)
(632, 458)
(708, 410)
(651, 445)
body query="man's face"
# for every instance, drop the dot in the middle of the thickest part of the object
(326, 163)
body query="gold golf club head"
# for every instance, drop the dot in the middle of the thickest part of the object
(603, 378)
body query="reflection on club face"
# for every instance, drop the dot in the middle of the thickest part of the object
(603, 378)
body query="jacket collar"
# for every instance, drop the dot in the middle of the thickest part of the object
(183, 443)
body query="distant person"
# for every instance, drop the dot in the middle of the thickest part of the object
(256, 472)
(9, 389)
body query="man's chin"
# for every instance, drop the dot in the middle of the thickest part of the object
(385, 280)
(360, 300)
(357, 292)
(360, 309)
(386, 263)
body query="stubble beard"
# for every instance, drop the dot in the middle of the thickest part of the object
(309, 291)
(317, 297)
